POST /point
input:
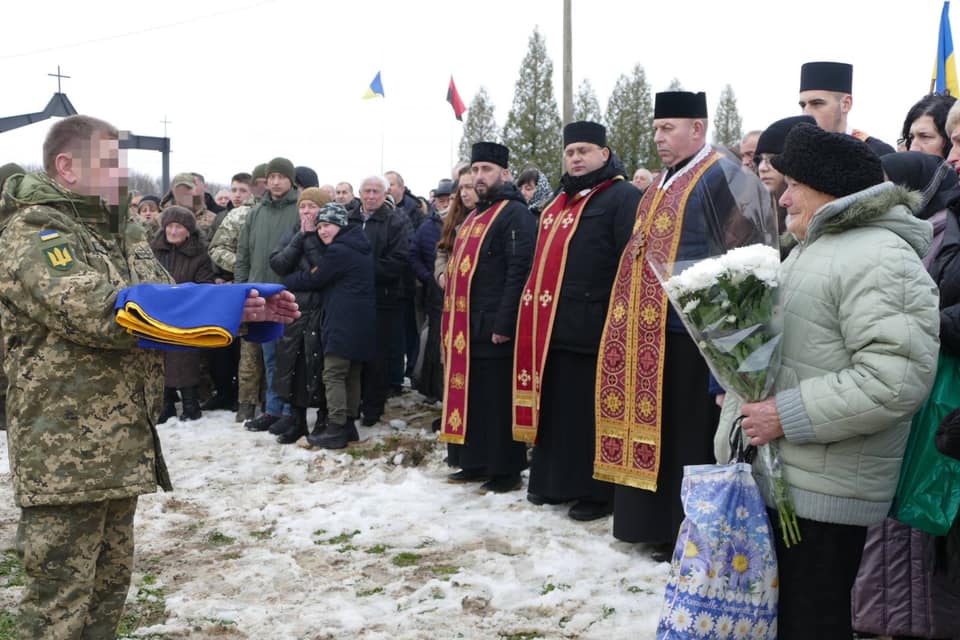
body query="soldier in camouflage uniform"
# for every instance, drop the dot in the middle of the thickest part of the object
(250, 373)
(6, 171)
(193, 200)
(83, 401)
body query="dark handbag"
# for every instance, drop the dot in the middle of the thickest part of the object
(947, 437)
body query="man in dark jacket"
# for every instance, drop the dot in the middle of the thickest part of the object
(582, 234)
(388, 232)
(407, 346)
(490, 261)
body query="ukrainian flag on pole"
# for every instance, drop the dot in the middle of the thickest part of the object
(376, 87)
(945, 69)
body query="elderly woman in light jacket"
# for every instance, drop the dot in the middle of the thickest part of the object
(860, 327)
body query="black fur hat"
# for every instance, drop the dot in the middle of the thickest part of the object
(831, 163)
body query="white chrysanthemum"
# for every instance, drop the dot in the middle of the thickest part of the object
(760, 629)
(701, 275)
(755, 259)
(742, 512)
(743, 629)
(703, 625)
(690, 306)
(680, 619)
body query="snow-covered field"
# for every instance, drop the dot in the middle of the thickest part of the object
(267, 541)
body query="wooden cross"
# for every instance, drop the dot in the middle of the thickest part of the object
(165, 123)
(58, 76)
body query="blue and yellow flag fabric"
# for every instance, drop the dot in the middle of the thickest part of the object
(375, 89)
(192, 315)
(945, 69)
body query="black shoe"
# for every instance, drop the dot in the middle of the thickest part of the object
(260, 424)
(191, 404)
(219, 402)
(587, 510)
(169, 405)
(395, 391)
(435, 425)
(540, 499)
(297, 428)
(335, 436)
(369, 421)
(468, 475)
(352, 435)
(661, 552)
(246, 412)
(321, 422)
(281, 426)
(502, 484)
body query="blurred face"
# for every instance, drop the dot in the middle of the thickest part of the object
(239, 192)
(372, 195)
(487, 176)
(468, 195)
(677, 139)
(528, 189)
(98, 168)
(801, 203)
(442, 202)
(327, 232)
(222, 198)
(278, 184)
(343, 194)
(308, 215)
(642, 179)
(828, 108)
(580, 158)
(176, 233)
(148, 211)
(396, 187)
(925, 138)
(770, 177)
(954, 157)
(259, 187)
(183, 196)
(747, 148)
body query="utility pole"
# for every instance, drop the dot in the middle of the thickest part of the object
(567, 64)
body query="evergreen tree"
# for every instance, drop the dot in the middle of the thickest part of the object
(585, 104)
(481, 123)
(675, 85)
(727, 122)
(630, 122)
(533, 128)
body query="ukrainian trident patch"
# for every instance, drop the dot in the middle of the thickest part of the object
(59, 257)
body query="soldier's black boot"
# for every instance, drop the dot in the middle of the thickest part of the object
(335, 436)
(191, 404)
(298, 428)
(169, 405)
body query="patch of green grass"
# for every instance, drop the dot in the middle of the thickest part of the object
(147, 609)
(437, 594)
(444, 570)
(608, 611)
(346, 548)
(378, 549)
(548, 587)
(8, 626)
(406, 559)
(636, 589)
(343, 538)
(217, 539)
(369, 592)
(263, 534)
(11, 571)
(521, 635)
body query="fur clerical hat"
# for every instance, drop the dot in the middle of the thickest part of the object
(585, 131)
(827, 76)
(680, 104)
(490, 152)
(831, 163)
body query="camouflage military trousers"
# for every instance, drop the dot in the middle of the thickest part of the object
(78, 560)
(251, 378)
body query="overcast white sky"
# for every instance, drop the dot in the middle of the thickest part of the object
(246, 80)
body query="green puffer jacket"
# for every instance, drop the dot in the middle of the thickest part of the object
(83, 398)
(860, 343)
(261, 231)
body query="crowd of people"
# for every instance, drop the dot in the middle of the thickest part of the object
(531, 312)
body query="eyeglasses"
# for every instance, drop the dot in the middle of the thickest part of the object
(762, 158)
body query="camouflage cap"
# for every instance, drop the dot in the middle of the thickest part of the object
(183, 179)
(333, 213)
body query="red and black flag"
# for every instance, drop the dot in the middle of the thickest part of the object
(454, 99)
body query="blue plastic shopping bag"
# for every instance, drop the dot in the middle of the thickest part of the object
(723, 579)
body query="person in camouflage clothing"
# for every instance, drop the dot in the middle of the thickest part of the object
(6, 171)
(184, 191)
(82, 405)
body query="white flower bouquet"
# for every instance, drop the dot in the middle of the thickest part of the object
(730, 306)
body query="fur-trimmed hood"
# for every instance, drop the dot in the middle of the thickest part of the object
(884, 205)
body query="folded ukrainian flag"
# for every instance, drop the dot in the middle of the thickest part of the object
(192, 315)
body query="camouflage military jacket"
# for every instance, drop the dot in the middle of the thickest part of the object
(223, 247)
(83, 398)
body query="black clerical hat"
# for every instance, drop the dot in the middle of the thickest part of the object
(827, 76)
(585, 131)
(490, 152)
(772, 138)
(680, 104)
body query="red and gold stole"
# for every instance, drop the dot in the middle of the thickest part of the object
(629, 387)
(455, 325)
(538, 306)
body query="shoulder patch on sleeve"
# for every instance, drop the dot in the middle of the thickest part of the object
(49, 234)
(59, 257)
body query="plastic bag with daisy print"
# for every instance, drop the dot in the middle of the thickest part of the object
(723, 577)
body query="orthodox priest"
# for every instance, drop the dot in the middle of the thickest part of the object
(485, 275)
(582, 233)
(654, 411)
